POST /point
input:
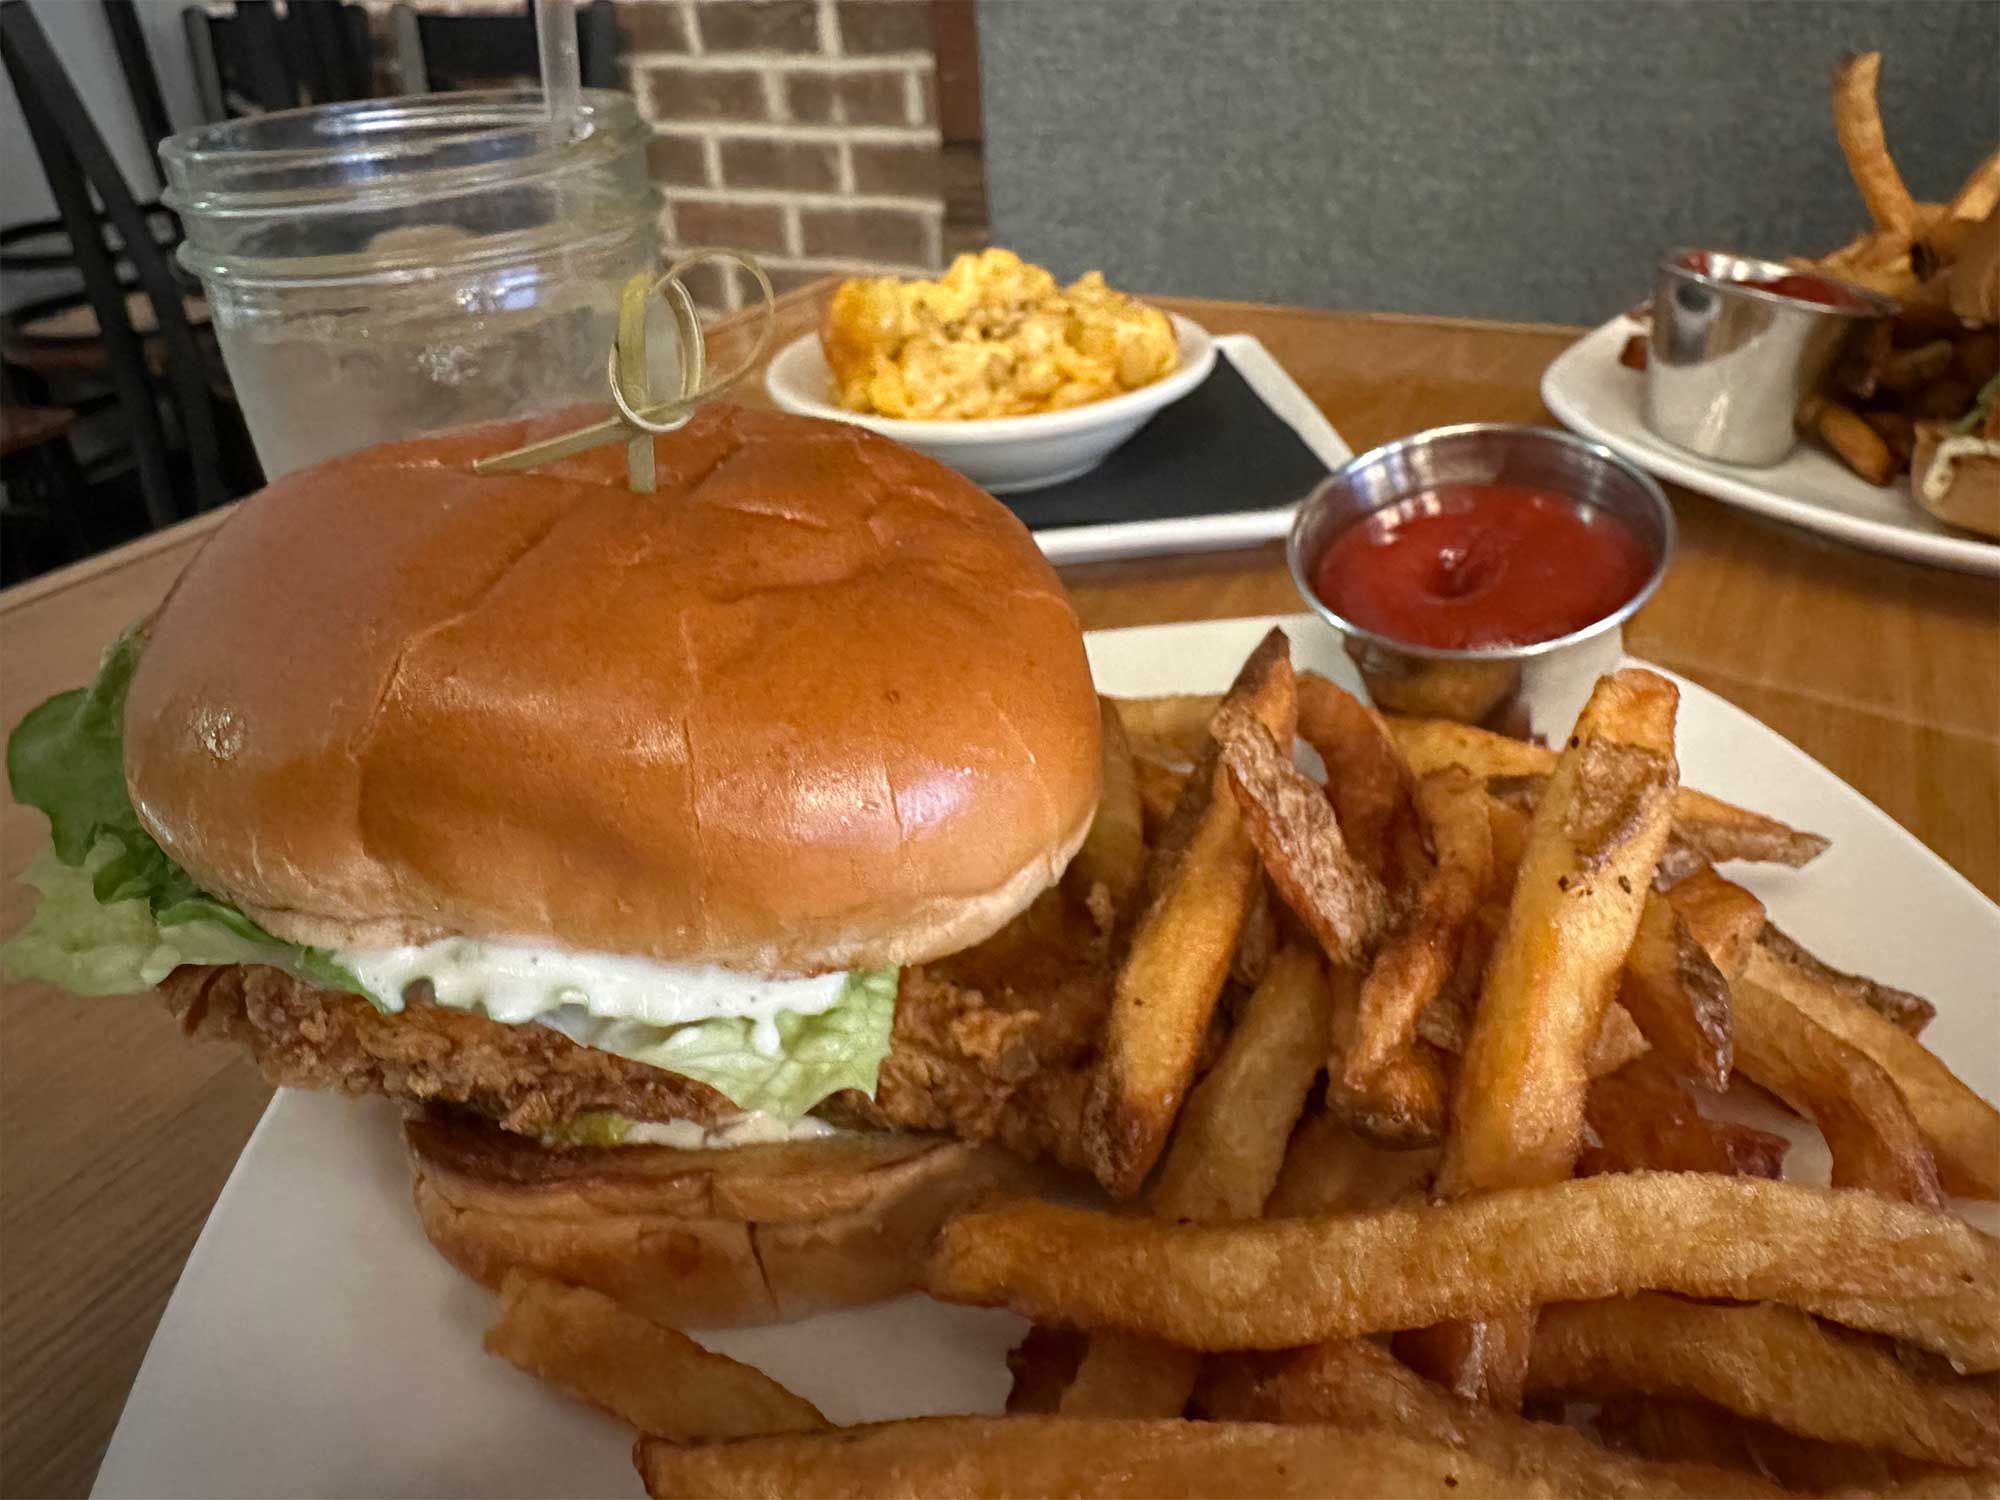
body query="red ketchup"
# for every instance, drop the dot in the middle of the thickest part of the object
(1800, 286)
(1809, 289)
(1469, 565)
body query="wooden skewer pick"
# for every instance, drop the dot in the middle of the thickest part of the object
(628, 374)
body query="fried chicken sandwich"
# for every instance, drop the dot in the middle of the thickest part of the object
(643, 844)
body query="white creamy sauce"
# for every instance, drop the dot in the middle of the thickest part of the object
(1949, 452)
(517, 982)
(751, 1128)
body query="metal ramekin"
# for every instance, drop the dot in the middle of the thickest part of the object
(1531, 690)
(1728, 364)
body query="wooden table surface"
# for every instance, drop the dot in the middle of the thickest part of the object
(117, 1136)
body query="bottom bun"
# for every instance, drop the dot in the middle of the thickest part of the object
(705, 1238)
(1971, 496)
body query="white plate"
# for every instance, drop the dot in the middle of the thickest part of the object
(1590, 392)
(317, 1346)
(1006, 455)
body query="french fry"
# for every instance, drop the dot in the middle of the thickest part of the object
(1042, 1366)
(1483, 1360)
(976, 1458)
(1679, 996)
(1160, 791)
(1200, 881)
(1962, 1129)
(1298, 840)
(1517, 1112)
(1343, 1383)
(1896, 279)
(1851, 439)
(1373, 793)
(1644, 1119)
(1230, 1141)
(1773, 1363)
(1619, 1042)
(1866, 1112)
(1330, 1167)
(1403, 1103)
(1908, 369)
(1720, 831)
(1976, 357)
(1857, 125)
(1355, 1385)
(1113, 855)
(1507, 826)
(1447, 1022)
(1859, 369)
(1977, 196)
(1432, 744)
(1897, 429)
(1721, 916)
(1716, 829)
(1417, 957)
(1908, 1012)
(659, 1380)
(1940, 401)
(1222, 1163)
(1173, 728)
(1695, 1431)
(1930, 1484)
(1857, 1258)
(1869, 1129)
(1126, 1375)
(1939, 246)
(1258, 941)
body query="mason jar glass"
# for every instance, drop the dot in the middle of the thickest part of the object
(386, 267)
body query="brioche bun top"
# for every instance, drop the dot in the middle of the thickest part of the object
(816, 702)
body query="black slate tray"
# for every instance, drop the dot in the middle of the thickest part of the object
(1219, 450)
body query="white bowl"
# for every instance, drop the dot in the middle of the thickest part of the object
(1002, 454)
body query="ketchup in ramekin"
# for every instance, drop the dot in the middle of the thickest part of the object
(1472, 565)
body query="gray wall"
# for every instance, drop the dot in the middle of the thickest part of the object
(1514, 159)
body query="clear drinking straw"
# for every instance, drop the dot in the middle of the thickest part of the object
(562, 74)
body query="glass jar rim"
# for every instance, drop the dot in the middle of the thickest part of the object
(410, 146)
(244, 185)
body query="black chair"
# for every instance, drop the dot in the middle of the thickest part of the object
(445, 54)
(78, 165)
(43, 244)
(255, 60)
(135, 61)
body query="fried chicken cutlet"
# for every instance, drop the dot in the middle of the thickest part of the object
(990, 1046)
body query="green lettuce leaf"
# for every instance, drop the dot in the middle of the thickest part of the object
(1982, 406)
(67, 760)
(841, 1048)
(110, 948)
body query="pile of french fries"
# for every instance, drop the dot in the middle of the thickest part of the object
(1407, 1070)
(1929, 361)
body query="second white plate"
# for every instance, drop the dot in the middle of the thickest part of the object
(1592, 394)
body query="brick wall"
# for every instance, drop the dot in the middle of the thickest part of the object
(804, 131)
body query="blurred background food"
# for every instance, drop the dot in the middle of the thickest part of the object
(1909, 381)
(992, 337)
